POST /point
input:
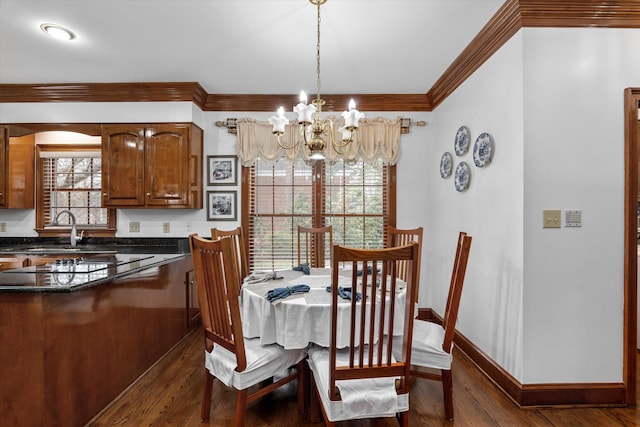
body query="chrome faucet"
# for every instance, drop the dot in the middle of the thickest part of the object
(74, 237)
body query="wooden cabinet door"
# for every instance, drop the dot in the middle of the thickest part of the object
(123, 165)
(167, 165)
(19, 184)
(4, 146)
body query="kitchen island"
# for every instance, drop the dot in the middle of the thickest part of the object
(74, 337)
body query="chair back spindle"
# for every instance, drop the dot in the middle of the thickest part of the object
(239, 246)
(400, 237)
(312, 243)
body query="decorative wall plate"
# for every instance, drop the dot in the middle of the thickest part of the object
(462, 176)
(461, 145)
(483, 150)
(446, 165)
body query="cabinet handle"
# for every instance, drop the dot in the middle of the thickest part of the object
(104, 194)
(148, 194)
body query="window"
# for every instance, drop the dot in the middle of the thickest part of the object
(357, 199)
(70, 178)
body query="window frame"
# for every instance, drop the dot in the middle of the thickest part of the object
(41, 228)
(317, 217)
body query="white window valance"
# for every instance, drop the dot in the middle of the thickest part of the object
(377, 138)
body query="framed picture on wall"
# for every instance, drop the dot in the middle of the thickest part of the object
(222, 205)
(222, 170)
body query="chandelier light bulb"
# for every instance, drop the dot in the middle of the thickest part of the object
(279, 122)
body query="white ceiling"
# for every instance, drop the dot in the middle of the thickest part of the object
(241, 46)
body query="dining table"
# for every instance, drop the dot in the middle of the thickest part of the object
(302, 319)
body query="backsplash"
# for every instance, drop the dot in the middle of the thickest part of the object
(180, 245)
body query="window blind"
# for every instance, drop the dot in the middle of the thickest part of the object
(73, 181)
(352, 197)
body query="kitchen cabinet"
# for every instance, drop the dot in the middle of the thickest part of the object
(72, 353)
(17, 170)
(152, 165)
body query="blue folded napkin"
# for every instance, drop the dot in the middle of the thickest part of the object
(304, 267)
(282, 293)
(345, 293)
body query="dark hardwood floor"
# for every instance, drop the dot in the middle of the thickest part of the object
(169, 394)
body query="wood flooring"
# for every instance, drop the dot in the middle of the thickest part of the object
(169, 394)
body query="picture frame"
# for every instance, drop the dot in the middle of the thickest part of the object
(222, 170)
(222, 205)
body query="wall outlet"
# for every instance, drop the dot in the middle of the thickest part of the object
(551, 218)
(166, 227)
(134, 227)
(189, 227)
(3, 227)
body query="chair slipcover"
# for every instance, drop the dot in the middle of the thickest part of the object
(427, 346)
(262, 362)
(360, 398)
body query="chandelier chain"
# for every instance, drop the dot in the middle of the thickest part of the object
(318, 54)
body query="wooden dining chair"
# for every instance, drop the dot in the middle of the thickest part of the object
(399, 237)
(240, 363)
(312, 244)
(239, 244)
(431, 355)
(343, 378)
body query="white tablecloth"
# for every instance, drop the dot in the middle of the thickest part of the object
(302, 319)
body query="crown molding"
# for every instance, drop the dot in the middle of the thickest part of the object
(580, 13)
(516, 14)
(508, 20)
(103, 92)
(366, 102)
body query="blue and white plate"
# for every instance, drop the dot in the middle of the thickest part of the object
(461, 145)
(462, 176)
(446, 165)
(483, 150)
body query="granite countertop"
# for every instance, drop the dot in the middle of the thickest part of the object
(91, 272)
(100, 261)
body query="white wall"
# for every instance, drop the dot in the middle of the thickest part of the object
(551, 298)
(491, 210)
(574, 159)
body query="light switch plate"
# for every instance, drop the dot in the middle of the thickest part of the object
(551, 218)
(3, 227)
(134, 227)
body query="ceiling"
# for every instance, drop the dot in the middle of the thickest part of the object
(241, 46)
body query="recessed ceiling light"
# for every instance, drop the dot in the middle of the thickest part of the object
(57, 31)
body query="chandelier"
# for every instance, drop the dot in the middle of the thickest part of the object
(312, 127)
